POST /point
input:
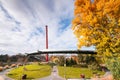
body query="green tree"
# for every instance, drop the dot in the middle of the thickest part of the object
(68, 63)
(73, 62)
(114, 65)
(61, 60)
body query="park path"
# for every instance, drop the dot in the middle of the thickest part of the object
(54, 75)
(3, 75)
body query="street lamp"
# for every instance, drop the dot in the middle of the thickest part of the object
(65, 67)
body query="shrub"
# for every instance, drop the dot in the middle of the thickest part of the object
(1, 68)
(13, 65)
(94, 66)
(81, 65)
(113, 65)
(6, 67)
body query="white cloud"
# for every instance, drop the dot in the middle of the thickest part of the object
(22, 25)
(19, 20)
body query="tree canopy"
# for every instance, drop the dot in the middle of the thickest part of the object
(97, 23)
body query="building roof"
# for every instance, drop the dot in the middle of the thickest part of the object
(47, 51)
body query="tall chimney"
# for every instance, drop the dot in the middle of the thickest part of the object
(46, 42)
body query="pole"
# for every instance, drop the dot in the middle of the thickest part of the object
(65, 68)
(46, 42)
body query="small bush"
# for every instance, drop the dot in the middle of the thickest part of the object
(94, 66)
(6, 67)
(13, 65)
(1, 68)
(20, 64)
(113, 65)
(81, 65)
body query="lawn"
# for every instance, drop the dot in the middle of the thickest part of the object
(38, 71)
(71, 72)
(33, 71)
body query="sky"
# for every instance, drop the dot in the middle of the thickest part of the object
(22, 25)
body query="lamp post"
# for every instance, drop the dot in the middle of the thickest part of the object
(24, 69)
(65, 67)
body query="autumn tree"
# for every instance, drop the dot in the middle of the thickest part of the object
(97, 23)
(61, 60)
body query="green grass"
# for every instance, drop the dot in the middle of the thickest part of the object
(38, 71)
(33, 71)
(71, 72)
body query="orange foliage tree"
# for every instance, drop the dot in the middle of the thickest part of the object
(97, 23)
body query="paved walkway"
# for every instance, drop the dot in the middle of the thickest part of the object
(3, 75)
(54, 75)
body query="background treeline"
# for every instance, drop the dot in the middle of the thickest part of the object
(9, 59)
(80, 60)
(18, 58)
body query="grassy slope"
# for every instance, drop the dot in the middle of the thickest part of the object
(33, 71)
(71, 72)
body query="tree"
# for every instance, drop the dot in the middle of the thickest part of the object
(68, 63)
(114, 65)
(61, 60)
(4, 58)
(73, 62)
(97, 23)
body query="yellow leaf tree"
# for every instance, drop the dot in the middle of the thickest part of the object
(97, 23)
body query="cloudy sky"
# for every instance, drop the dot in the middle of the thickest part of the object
(22, 25)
